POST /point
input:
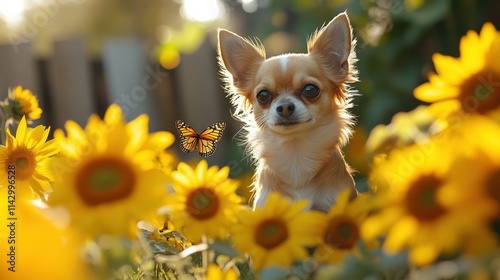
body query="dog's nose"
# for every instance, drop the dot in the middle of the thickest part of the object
(286, 109)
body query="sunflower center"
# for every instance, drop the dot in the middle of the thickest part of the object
(25, 163)
(421, 199)
(481, 93)
(22, 163)
(202, 203)
(342, 233)
(271, 233)
(105, 180)
(495, 225)
(492, 187)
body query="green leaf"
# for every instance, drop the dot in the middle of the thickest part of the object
(274, 273)
(223, 248)
(429, 13)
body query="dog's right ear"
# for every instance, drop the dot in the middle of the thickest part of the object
(240, 58)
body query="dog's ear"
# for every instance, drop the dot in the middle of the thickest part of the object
(240, 58)
(332, 46)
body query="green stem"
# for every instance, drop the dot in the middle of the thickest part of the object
(204, 254)
(3, 126)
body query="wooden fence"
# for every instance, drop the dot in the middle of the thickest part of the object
(70, 85)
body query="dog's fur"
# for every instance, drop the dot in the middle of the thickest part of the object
(295, 139)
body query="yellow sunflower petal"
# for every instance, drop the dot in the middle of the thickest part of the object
(36, 137)
(187, 170)
(487, 35)
(36, 113)
(200, 170)
(492, 55)
(40, 188)
(259, 258)
(423, 254)
(21, 130)
(94, 130)
(470, 54)
(74, 131)
(360, 206)
(138, 131)
(11, 140)
(163, 139)
(375, 225)
(308, 226)
(429, 92)
(231, 274)
(48, 148)
(444, 108)
(273, 202)
(214, 272)
(222, 173)
(113, 115)
(449, 68)
(343, 200)
(294, 210)
(118, 139)
(43, 138)
(481, 241)
(400, 233)
(184, 176)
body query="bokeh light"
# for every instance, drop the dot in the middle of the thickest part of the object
(169, 58)
(12, 11)
(202, 10)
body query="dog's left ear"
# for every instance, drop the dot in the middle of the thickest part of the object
(332, 45)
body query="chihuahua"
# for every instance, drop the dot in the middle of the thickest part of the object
(295, 110)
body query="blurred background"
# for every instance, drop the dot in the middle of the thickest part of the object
(159, 56)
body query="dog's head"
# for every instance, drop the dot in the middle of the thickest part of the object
(290, 92)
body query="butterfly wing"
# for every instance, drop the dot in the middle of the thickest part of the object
(207, 142)
(188, 136)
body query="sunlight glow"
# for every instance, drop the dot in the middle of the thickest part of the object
(249, 6)
(202, 10)
(12, 11)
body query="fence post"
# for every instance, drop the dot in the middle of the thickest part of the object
(201, 96)
(71, 83)
(18, 66)
(131, 80)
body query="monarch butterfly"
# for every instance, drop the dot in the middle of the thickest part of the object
(205, 142)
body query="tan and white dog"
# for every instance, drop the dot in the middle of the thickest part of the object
(295, 110)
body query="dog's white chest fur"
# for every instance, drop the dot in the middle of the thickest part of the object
(291, 164)
(295, 160)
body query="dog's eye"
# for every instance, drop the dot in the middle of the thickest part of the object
(264, 96)
(310, 91)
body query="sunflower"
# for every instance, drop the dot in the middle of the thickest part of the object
(277, 233)
(160, 229)
(36, 244)
(106, 178)
(341, 229)
(406, 128)
(415, 212)
(164, 159)
(214, 272)
(27, 156)
(474, 182)
(156, 225)
(21, 102)
(470, 83)
(205, 202)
